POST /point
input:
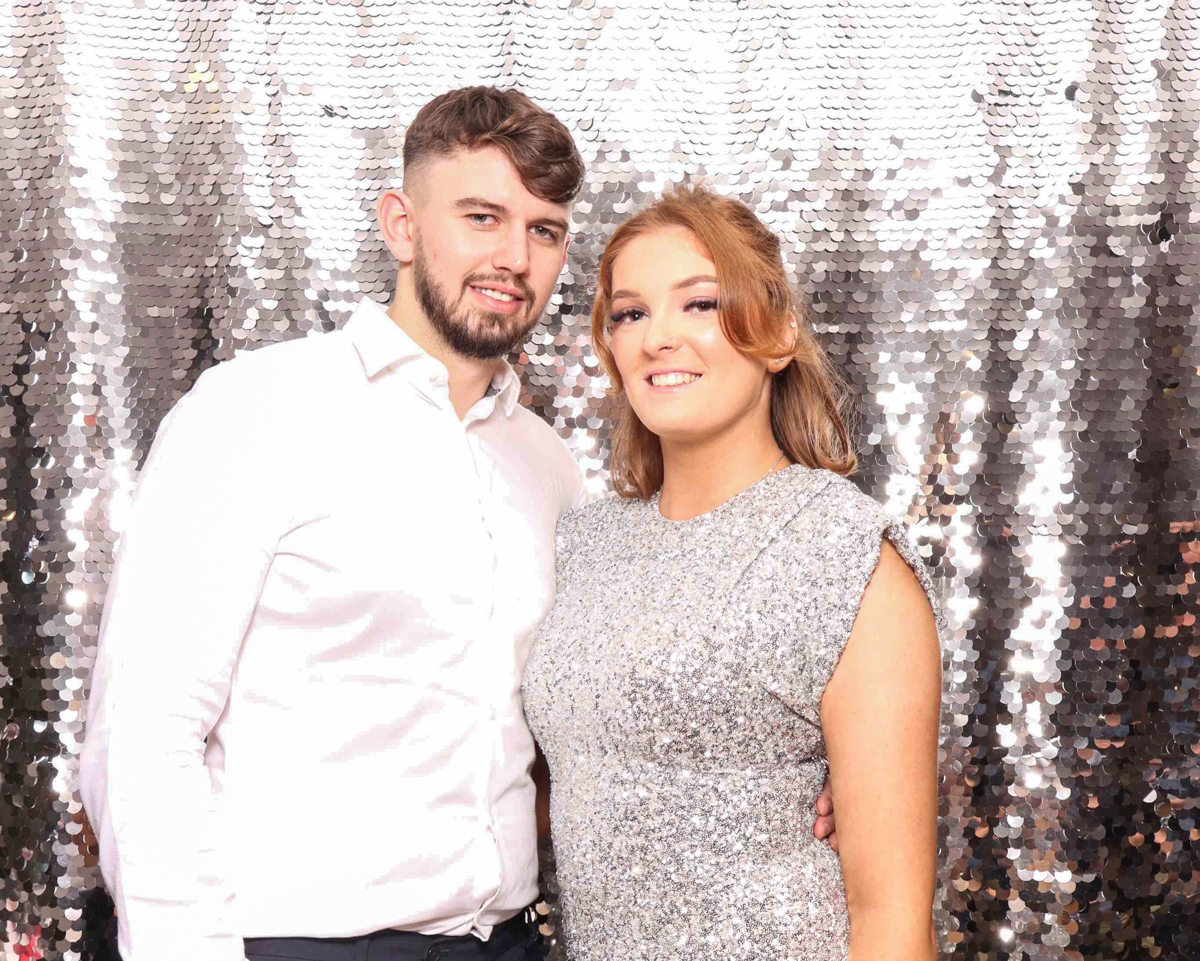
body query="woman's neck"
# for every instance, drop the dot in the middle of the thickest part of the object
(699, 477)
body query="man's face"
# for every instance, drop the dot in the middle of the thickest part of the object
(487, 252)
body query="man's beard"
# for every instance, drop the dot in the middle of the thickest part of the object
(479, 334)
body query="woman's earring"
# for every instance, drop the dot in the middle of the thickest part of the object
(793, 324)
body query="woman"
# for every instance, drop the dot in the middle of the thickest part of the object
(738, 619)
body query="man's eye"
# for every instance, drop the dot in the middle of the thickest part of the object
(546, 233)
(480, 219)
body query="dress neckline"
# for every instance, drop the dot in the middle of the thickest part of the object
(766, 482)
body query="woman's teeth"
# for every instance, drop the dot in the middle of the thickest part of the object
(495, 294)
(671, 380)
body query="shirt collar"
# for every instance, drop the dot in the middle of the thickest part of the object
(382, 344)
(507, 387)
(378, 339)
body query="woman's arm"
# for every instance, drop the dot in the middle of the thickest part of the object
(880, 716)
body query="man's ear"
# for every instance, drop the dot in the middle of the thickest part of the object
(566, 247)
(394, 214)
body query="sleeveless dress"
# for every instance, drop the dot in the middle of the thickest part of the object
(675, 690)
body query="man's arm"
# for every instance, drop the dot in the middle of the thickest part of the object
(541, 781)
(191, 565)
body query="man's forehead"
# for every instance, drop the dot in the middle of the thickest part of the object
(485, 173)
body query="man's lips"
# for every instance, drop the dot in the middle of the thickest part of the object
(500, 295)
(497, 289)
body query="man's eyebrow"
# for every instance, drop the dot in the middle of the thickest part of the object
(686, 282)
(478, 203)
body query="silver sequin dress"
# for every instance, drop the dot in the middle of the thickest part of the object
(674, 688)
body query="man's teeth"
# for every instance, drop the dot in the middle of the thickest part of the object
(670, 380)
(495, 294)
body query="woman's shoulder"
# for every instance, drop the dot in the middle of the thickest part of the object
(843, 525)
(845, 528)
(834, 501)
(599, 518)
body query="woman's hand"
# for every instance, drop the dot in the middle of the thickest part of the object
(880, 714)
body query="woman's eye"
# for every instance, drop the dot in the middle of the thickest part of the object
(628, 314)
(702, 304)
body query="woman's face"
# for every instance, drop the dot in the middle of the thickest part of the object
(685, 381)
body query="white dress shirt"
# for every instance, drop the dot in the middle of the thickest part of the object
(334, 581)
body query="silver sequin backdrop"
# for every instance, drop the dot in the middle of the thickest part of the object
(992, 207)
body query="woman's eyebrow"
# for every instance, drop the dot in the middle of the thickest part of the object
(693, 280)
(686, 282)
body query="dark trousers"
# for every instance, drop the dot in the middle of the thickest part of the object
(514, 940)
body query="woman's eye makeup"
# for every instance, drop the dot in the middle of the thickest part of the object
(633, 314)
(628, 314)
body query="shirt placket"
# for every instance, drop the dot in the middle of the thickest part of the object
(490, 740)
(490, 709)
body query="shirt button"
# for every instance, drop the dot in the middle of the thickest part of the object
(433, 954)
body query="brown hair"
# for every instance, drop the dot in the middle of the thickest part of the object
(536, 142)
(809, 402)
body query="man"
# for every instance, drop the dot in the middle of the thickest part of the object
(305, 724)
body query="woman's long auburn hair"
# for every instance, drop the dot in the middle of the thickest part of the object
(810, 406)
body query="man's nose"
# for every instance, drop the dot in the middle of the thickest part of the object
(512, 253)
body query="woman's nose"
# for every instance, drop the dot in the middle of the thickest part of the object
(661, 333)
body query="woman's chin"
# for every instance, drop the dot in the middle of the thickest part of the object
(675, 430)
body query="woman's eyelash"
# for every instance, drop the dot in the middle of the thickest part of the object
(700, 303)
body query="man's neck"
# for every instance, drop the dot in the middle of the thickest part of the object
(469, 378)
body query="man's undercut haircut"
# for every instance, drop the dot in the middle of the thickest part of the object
(533, 139)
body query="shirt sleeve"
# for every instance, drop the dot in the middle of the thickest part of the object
(187, 578)
(582, 496)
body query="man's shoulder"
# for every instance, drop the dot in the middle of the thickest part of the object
(540, 438)
(297, 359)
(291, 375)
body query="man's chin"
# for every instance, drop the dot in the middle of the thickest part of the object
(486, 336)
(496, 321)
(498, 328)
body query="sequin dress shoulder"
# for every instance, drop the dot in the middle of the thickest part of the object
(675, 689)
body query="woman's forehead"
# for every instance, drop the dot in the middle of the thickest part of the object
(660, 258)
